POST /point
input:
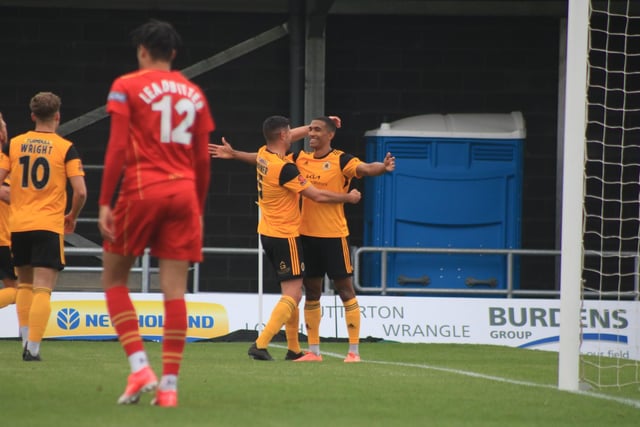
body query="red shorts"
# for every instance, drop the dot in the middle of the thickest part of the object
(169, 225)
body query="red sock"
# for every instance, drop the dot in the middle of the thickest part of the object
(174, 337)
(124, 319)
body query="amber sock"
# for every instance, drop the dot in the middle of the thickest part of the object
(39, 314)
(291, 329)
(312, 316)
(7, 296)
(24, 298)
(352, 318)
(279, 316)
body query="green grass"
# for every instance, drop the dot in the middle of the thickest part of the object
(78, 383)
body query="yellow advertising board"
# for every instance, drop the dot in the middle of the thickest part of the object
(89, 319)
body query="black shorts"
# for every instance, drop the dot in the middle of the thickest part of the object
(327, 255)
(7, 270)
(38, 249)
(285, 255)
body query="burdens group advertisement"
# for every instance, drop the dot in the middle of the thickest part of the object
(609, 328)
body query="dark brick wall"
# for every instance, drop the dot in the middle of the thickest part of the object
(387, 68)
(378, 68)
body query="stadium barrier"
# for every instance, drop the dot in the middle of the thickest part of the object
(145, 271)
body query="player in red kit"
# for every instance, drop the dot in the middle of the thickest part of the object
(160, 125)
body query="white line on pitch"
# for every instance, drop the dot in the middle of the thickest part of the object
(629, 402)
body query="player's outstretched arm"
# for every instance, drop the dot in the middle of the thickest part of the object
(377, 168)
(226, 151)
(326, 196)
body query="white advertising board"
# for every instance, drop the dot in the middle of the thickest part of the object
(609, 328)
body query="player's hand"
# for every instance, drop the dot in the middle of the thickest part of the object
(389, 163)
(105, 223)
(4, 137)
(354, 196)
(337, 121)
(224, 151)
(69, 224)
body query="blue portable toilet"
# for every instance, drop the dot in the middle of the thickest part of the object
(457, 184)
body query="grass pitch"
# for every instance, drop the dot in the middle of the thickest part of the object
(77, 384)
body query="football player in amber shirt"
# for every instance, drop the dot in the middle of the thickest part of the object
(7, 271)
(323, 229)
(280, 185)
(160, 125)
(41, 162)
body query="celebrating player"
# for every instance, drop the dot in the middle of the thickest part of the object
(324, 232)
(280, 185)
(7, 269)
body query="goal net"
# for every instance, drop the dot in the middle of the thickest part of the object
(611, 208)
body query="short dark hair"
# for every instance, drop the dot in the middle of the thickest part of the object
(331, 126)
(272, 126)
(158, 37)
(44, 105)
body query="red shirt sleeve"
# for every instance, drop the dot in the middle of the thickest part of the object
(114, 157)
(202, 167)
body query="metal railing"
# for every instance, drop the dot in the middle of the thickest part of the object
(509, 290)
(143, 266)
(146, 270)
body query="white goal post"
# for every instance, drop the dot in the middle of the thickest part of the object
(600, 241)
(572, 194)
